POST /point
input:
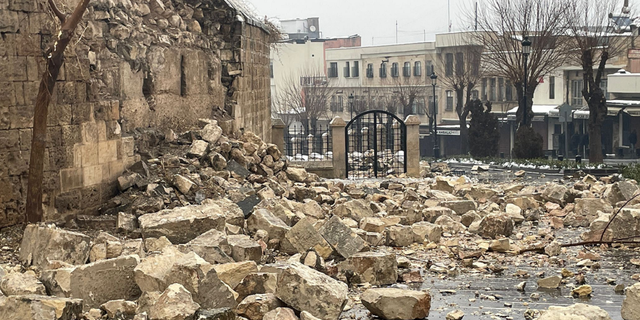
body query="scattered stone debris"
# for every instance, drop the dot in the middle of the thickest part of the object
(208, 226)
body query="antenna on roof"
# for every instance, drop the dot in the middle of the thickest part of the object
(476, 26)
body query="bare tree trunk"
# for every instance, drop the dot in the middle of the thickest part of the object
(54, 62)
(597, 103)
(462, 119)
(524, 114)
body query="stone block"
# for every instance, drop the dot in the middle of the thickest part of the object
(182, 224)
(21, 116)
(81, 113)
(30, 92)
(9, 140)
(13, 68)
(71, 179)
(8, 21)
(41, 244)
(18, 90)
(243, 248)
(92, 175)
(59, 115)
(89, 154)
(341, 238)
(54, 137)
(392, 303)
(375, 268)
(17, 162)
(36, 307)
(89, 132)
(107, 151)
(30, 43)
(233, 273)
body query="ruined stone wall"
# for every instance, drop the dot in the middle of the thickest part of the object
(131, 64)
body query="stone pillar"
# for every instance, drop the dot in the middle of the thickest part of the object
(277, 134)
(310, 145)
(339, 154)
(365, 138)
(325, 144)
(412, 155)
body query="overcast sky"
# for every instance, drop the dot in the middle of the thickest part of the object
(375, 20)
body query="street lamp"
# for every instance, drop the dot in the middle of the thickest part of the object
(351, 104)
(526, 49)
(436, 148)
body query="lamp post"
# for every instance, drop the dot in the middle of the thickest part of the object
(526, 49)
(351, 104)
(436, 148)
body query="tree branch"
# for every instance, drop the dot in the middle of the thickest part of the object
(57, 12)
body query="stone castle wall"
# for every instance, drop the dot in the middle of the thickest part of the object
(132, 64)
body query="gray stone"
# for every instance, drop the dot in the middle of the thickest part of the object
(175, 303)
(554, 193)
(341, 238)
(424, 231)
(375, 268)
(119, 307)
(244, 248)
(280, 314)
(496, 225)
(302, 237)
(460, 207)
(36, 307)
(549, 282)
(211, 133)
(233, 273)
(183, 183)
(586, 211)
(399, 236)
(354, 209)
(16, 283)
(306, 289)
(450, 225)
(263, 219)
(212, 246)
(631, 303)
(41, 244)
(182, 224)
(254, 307)
(500, 245)
(256, 283)
(397, 304)
(578, 311)
(433, 213)
(297, 174)
(372, 224)
(198, 149)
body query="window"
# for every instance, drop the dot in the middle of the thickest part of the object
(429, 65)
(417, 69)
(603, 86)
(370, 70)
(406, 70)
(484, 89)
(394, 70)
(355, 71)
(419, 106)
(271, 69)
(552, 87)
(336, 103)
(449, 101)
(500, 89)
(576, 93)
(383, 70)
(492, 89)
(333, 70)
(459, 63)
(508, 89)
(431, 104)
(475, 95)
(347, 70)
(475, 66)
(448, 68)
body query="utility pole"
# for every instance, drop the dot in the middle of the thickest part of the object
(449, 14)
(396, 31)
(476, 25)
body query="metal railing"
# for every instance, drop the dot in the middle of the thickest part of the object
(308, 144)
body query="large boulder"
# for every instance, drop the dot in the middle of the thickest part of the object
(254, 307)
(16, 283)
(244, 248)
(354, 209)
(586, 211)
(460, 207)
(211, 132)
(341, 238)
(256, 283)
(302, 237)
(397, 304)
(199, 277)
(306, 289)
(631, 303)
(426, 232)
(496, 225)
(376, 268)
(620, 191)
(449, 225)
(212, 246)
(105, 280)
(36, 307)
(578, 311)
(399, 236)
(41, 244)
(280, 314)
(263, 219)
(233, 273)
(554, 193)
(297, 174)
(175, 303)
(182, 224)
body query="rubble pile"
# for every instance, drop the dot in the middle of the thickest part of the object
(237, 233)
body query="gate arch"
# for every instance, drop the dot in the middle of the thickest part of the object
(375, 145)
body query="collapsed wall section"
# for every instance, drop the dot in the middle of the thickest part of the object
(131, 64)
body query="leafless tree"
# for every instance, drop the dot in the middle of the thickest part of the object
(596, 38)
(502, 24)
(461, 72)
(406, 90)
(55, 57)
(304, 96)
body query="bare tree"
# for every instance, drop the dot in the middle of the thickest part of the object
(459, 69)
(55, 57)
(406, 90)
(305, 96)
(502, 24)
(597, 37)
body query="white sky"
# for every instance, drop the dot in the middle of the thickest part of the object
(375, 20)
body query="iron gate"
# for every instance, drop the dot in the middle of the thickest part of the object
(376, 145)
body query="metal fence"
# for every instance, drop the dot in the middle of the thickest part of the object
(308, 144)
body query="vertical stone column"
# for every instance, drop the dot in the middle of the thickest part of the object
(277, 134)
(412, 155)
(310, 141)
(339, 153)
